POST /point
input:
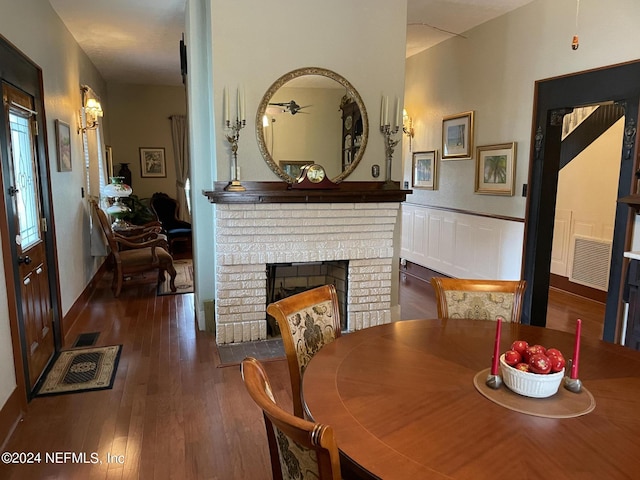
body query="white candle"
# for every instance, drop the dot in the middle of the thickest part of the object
(239, 105)
(226, 105)
(382, 111)
(386, 110)
(397, 119)
(242, 109)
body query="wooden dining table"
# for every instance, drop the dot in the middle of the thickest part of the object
(402, 402)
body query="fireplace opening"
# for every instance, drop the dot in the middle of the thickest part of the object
(286, 279)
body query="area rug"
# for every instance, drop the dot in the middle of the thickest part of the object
(184, 278)
(82, 370)
(265, 350)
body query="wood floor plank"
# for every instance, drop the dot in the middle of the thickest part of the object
(173, 411)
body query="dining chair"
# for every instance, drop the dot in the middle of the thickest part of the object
(307, 321)
(478, 298)
(136, 254)
(298, 448)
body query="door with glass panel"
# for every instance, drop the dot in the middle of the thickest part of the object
(24, 211)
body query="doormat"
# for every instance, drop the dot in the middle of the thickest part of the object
(184, 278)
(264, 350)
(82, 370)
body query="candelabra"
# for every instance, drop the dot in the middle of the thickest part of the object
(234, 185)
(389, 145)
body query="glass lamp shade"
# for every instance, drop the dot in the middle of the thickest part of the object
(117, 188)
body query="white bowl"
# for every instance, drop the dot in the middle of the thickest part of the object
(530, 384)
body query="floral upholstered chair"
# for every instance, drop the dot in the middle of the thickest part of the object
(298, 448)
(479, 299)
(307, 321)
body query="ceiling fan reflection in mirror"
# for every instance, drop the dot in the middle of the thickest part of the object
(291, 107)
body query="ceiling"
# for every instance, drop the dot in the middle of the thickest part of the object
(138, 41)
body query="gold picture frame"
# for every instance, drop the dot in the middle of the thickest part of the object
(425, 170)
(457, 136)
(63, 144)
(496, 169)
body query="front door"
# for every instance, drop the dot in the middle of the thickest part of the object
(25, 212)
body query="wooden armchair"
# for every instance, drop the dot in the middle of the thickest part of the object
(298, 448)
(166, 209)
(307, 321)
(144, 252)
(479, 299)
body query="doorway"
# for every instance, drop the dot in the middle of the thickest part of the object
(26, 228)
(553, 99)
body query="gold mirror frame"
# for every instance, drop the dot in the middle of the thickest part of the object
(262, 109)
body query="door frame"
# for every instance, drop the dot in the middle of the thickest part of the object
(553, 98)
(19, 71)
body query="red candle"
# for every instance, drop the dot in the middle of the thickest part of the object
(496, 348)
(576, 351)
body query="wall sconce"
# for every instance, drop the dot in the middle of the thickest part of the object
(407, 126)
(92, 112)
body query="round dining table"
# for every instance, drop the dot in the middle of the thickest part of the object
(403, 403)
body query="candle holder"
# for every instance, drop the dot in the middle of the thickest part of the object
(389, 145)
(572, 384)
(494, 381)
(234, 185)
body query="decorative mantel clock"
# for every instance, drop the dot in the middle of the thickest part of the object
(313, 176)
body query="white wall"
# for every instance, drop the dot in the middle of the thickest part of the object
(65, 67)
(493, 72)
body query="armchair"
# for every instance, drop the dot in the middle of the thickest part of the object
(136, 254)
(166, 209)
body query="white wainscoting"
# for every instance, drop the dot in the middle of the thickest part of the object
(462, 245)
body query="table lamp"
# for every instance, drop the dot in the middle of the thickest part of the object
(117, 189)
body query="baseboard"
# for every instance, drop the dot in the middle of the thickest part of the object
(563, 283)
(10, 415)
(72, 315)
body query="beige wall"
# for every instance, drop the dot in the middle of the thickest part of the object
(65, 67)
(493, 71)
(138, 116)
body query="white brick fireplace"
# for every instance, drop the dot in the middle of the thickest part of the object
(248, 236)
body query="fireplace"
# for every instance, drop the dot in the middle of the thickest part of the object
(255, 230)
(286, 279)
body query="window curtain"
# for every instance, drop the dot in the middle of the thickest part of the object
(180, 138)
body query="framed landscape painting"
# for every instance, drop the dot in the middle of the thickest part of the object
(495, 169)
(63, 142)
(457, 136)
(425, 170)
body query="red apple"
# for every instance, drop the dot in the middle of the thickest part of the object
(557, 361)
(539, 363)
(533, 350)
(512, 358)
(519, 346)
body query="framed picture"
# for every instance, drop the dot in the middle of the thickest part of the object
(63, 142)
(152, 162)
(457, 136)
(292, 167)
(425, 170)
(495, 169)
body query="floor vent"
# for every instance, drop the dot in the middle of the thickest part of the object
(86, 339)
(591, 262)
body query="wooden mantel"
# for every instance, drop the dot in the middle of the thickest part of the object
(280, 192)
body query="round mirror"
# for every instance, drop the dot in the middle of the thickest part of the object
(312, 115)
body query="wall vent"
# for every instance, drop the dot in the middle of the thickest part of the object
(591, 262)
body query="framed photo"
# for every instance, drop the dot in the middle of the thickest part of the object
(152, 163)
(457, 136)
(63, 142)
(292, 167)
(495, 169)
(425, 170)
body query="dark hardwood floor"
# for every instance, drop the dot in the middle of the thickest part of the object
(173, 413)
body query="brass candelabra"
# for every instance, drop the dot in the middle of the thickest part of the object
(389, 144)
(234, 185)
